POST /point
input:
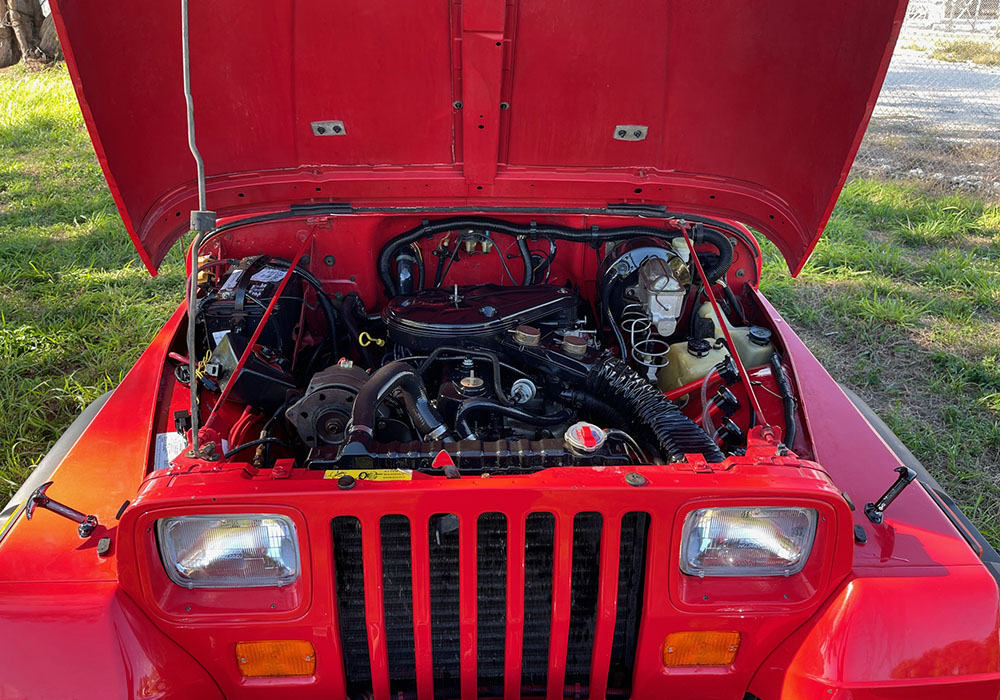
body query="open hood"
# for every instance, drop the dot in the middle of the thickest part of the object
(741, 110)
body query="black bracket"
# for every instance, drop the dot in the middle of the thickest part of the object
(875, 510)
(38, 499)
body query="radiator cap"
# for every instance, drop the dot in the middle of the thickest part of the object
(585, 437)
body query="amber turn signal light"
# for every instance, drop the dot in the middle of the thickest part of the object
(276, 659)
(700, 648)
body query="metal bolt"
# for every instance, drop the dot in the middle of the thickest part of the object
(336, 128)
(670, 650)
(635, 479)
(457, 104)
(243, 660)
(304, 260)
(273, 606)
(329, 260)
(741, 273)
(637, 134)
(505, 105)
(321, 129)
(704, 597)
(187, 608)
(622, 133)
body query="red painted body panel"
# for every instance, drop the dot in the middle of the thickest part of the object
(754, 113)
(908, 587)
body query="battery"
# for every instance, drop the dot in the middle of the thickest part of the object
(237, 304)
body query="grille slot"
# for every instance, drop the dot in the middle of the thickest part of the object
(397, 599)
(349, 570)
(439, 554)
(491, 602)
(583, 600)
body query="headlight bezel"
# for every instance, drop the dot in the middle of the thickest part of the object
(829, 558)
(171, 563)
(177, 603)
(805, 548)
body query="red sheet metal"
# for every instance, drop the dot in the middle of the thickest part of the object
(371, 547)
(467, 605)
(515, 606)
(420, 573)
(562, 571)
(607, 606)
(752, 115)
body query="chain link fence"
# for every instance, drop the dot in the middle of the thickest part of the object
(937, 120)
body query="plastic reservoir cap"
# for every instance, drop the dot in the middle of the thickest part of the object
(585, 437)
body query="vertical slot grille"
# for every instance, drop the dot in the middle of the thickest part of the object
(491, 602)
(347, 562)
(397, 597)
(440, 560)
(539, 540)
(583, 600)
(631, 580)
(442, 539)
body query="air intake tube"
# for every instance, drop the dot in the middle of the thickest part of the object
(662, 422)
(400, 380)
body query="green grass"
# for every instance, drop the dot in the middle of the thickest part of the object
(901, 300)
(76, 305)
(982, 52)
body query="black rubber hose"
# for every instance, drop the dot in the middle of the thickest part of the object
(406, 272)
(594, 234)
(721, 243)
(651, 411)
(522, 246)
(489, 406)
(787, 398)
(501, 396)
(401, 380)
(594, 408)
(606, 307)
(254, 443)
(735, 305)
(350, 310)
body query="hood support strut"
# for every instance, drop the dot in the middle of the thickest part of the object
(202, 221)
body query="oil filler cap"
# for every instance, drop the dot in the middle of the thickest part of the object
(585, 437)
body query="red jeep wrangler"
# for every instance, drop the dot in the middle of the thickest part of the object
(473, 393)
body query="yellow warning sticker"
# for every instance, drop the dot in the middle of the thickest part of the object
(371, 474)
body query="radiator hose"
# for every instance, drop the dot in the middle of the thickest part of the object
(400, 380)
(674, 433)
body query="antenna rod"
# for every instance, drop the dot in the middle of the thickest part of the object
(202, 221)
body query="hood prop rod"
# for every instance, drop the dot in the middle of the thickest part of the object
(202, 221)
(38, 499)
(744, 377)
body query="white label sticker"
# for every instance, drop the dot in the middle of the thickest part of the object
(268, 274)
(218, 336)
(232, 280)
(168, 446)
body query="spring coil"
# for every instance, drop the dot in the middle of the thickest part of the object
(674, 433)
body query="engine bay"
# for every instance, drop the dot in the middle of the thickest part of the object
(491, 347)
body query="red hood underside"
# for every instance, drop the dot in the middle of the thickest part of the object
(754, 111)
